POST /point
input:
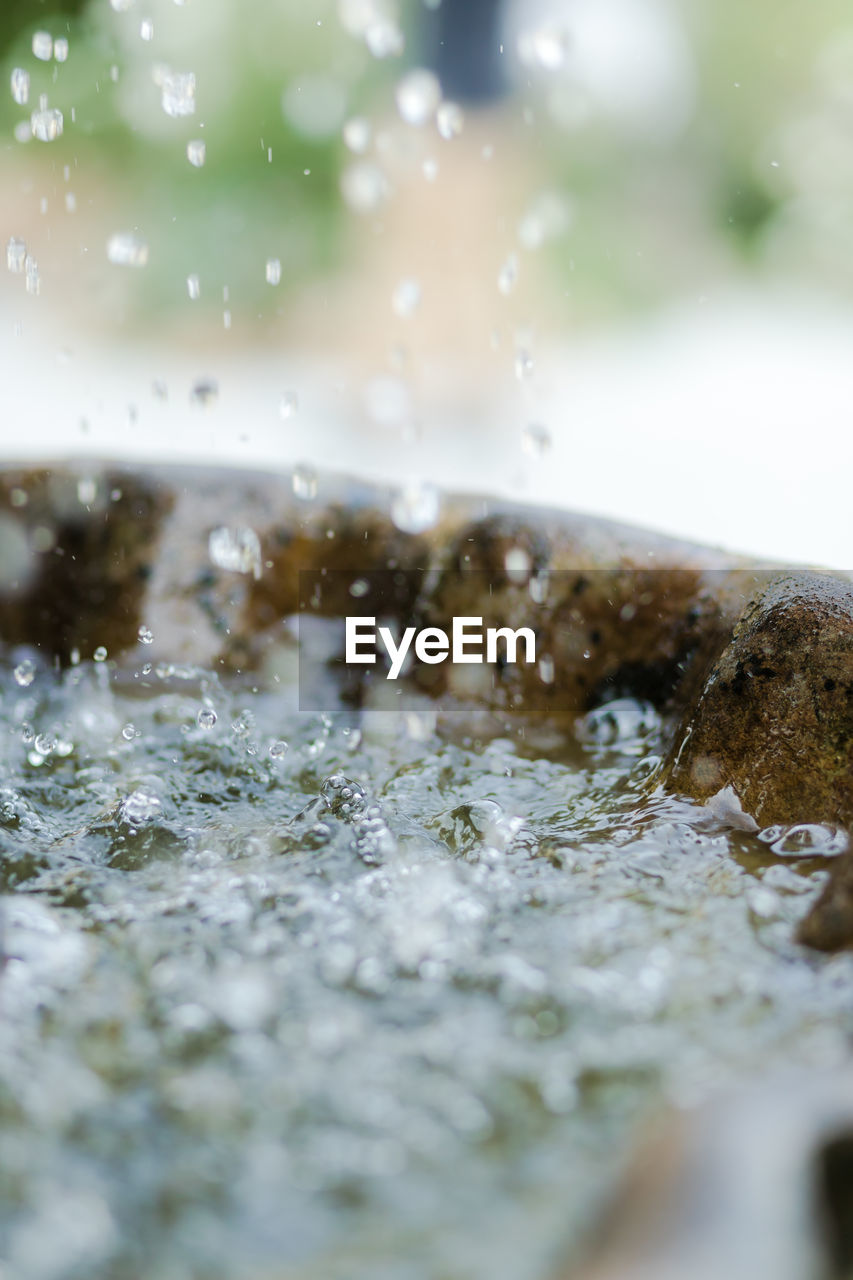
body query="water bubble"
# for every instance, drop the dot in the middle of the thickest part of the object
(100, 654)
(304, 482)
(278, 749)
(177, 90)
(127, 249)
(145, 635)
(193, 288)
(450, 120)
(204, 392)
(20, 84)
(535, 440)
(46, 124)
(364, 186)
(196, 152)
(33, 279)
(206, 718)
(288, 406)
(140, 806)
(415, 508)
(25, 673)
(418, 95)
(42, 45)
(129, 732)
(508, 275)
(356, 134)
(273, 271)
(235, 550)
(146, 29)
(406, 297)
(44, 744)
(60, 49)
(523, 364)
(16, 255)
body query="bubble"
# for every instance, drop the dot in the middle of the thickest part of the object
(288, 406)
(418, 95)
(406, 297)
(25, 673)
(193, 288)
(177, 89)
(20, 84)
(16, 255)
(145, 635)
(127, 249)
(42, 45)
(304, 482)
(33, 279)
(129, 732)
(44, 744)
(356, 134)
(46, 124)
(364, 186)
(415, 508)
(60, 49)
(140, 806)
(205, 392)
(450, 120)
(196, 152)
(100, 654)
(235, 550)
(273, 271)
(508, 275)
(206, 718)
(535, 440)
(278, 749)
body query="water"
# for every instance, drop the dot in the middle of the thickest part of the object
(60, 49)
(19, 82)
(406, 297)
(450, 120)
(42, 45)
(272, 271)
(196, 152)
(385, 1003)
(177, 93)
(127, 249)
(16, 255)
(47, 124)
(416, 508)
(418, 95)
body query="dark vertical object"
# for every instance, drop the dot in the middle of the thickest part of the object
(461, 43)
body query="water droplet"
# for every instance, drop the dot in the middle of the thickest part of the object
(388, 401)
(535, 440)
(359, 588)
(364, 186)
(523, 364)
(127, 249)
(100, 654)
(288, 406)
(236, 550)
(177, 90)
(33, 280)
(356, 134)
(46, 124)
(42, 45)
(518, 564)
(145, 635)
(206, 718)
(273, 271)
(25, 673)
(384, 39)
(547, 47)
(146, 29)
(305, 482)
(415, 508)
(60, 49)
(429, 168)
(508, 275)
(87, 490)
(278, 749)
(546, 218)
(70, 202)
(418, 95)
(44, 744)
(129, 732)
(196, 152)
(16, 255)
(140, 806)
(122, 6)
(204, 392)
(406, 297)
(450, 120)
(193, 288)
(20, 83)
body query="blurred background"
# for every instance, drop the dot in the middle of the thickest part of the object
(589, 252)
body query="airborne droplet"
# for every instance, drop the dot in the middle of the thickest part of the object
(535, 440)
(177, 91)
(449, 120)
(415, 508)
(127, 249)
(196, 152)
(418, 95)
(42, 45)
(304, 482)
(46, 124)
(20, 84)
